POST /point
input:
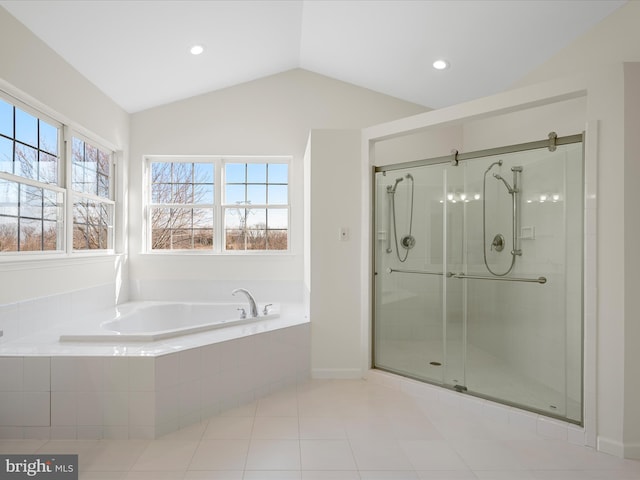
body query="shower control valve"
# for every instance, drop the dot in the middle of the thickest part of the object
(498, 243)
(408, 241)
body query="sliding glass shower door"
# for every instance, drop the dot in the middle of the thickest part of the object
(478, 276)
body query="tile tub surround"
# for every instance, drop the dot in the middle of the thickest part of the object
(59, 390)
(79, 396)
(30, 317)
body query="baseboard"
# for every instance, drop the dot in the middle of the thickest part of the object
(337, 373)
(623, 450)
(612, 447)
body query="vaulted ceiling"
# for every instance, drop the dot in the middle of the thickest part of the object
(137, 52)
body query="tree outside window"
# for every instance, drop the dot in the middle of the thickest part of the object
(186, 212)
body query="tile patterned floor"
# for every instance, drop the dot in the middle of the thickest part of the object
(339, 430)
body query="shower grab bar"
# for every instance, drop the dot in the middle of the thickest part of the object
(419, 272)
(540, 280)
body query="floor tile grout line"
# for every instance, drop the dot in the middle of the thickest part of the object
(199, 442)
(250, 441)
(299, 432)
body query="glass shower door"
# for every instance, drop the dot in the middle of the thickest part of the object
(523, 338)
(409, 332)
(459, 252)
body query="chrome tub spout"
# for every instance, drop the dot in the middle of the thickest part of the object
(253, 308)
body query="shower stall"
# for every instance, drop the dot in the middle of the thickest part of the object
(478, 261)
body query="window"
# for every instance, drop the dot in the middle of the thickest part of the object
(190, 209)
(256, 207)
(182, 206)
(93, 206)
(31, 200)
(36, 197)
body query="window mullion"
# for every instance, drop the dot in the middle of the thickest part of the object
(114, 192)
(218, 212)
(70, 197)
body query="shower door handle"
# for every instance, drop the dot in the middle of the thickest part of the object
(540, 280)
(419, 272)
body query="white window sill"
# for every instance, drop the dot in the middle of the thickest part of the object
(201, 253)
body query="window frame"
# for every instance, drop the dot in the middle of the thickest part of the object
(218, 207)
(65, 131)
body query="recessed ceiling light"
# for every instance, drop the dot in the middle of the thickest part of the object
(440, 64)
(197, 50)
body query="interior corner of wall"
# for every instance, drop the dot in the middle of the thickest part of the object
(610, 446)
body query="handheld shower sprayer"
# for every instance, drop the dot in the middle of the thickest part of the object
(407, 241)
(515, 170)
(392, 189)
(506, 184)
(498, 240)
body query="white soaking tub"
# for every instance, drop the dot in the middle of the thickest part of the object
(150, 321)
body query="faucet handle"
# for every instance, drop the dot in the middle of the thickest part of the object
(243, 313)
(265, 310)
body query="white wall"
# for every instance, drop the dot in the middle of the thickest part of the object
(335, 262)
(33, 72)
(269, 116)
(632, 257)
(614, 40)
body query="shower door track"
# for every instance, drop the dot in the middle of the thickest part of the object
(456, 157)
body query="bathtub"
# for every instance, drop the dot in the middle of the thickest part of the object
(150, 321)
(148, 368)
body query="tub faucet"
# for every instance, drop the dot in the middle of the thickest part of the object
(253, 308)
